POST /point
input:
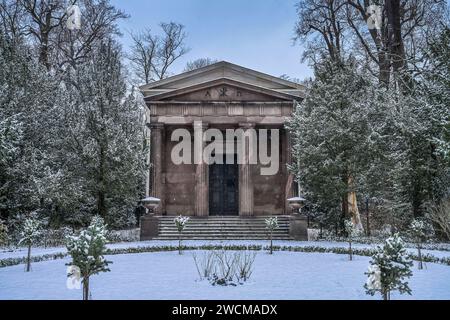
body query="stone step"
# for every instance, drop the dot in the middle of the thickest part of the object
(223, 236)
(224, 218)
(222, 231)
(237, 225)
(223, 228)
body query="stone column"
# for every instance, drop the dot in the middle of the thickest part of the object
(245, 175)
(157, 155)
(201, 171)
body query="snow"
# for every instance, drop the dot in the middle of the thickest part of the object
(167, 275)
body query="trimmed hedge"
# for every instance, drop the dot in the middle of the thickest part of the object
(306, 249)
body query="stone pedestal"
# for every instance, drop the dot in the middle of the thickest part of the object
(149, 227)
(298, 229)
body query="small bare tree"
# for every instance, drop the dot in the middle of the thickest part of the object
(143, 54)
(152, 55)
(199, 63)
(440, 217)
(45, 23)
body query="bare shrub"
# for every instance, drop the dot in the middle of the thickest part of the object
(440, 216)
(222, 267)
(244, 264)
(204, 264)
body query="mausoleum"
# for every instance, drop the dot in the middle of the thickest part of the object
(219, 147)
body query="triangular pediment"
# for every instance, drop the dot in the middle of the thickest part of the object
(222, 90)
(225, 81)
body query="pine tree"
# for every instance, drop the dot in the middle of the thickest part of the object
(420, 231)
(389, 269)
(331, 136)
(31, 231)
(3, 234)
(271, 225)
(87, 251)
(180, 223)
(351, 232)
(105, 138)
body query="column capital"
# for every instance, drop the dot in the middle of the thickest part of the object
(155, 125)
(247, 125)
(200, 125)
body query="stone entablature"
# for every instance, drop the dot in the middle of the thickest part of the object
(231, 109)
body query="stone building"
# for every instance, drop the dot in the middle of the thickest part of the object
(221, 96)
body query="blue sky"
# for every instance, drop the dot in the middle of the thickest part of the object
(253, 33)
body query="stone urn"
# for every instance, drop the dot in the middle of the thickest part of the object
(296, 204)
(151, 203)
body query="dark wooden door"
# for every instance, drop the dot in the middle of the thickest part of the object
(223, 189)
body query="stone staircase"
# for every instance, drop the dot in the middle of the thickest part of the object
(223, 228)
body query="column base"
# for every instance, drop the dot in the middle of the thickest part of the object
(298, 228)
(149, 228)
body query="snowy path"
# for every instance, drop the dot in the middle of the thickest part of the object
(20, 253)
(166, 275)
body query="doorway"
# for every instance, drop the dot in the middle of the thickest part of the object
(224, 189)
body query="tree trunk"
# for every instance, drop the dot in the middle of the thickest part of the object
(419, 251)
(367, 218)
(386, 295)
(395, 41)
(384, 69)
(86, 288)
(29, 258)
(352, 206)
(271, 243)
(101, 197)
(179, 242)
(43, 51)
(350, 250)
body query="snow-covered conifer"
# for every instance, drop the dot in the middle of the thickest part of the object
(31, 231)
(389, 269)
(87, 251)
(3, 233)
(271, 226)
(420, 231)
(180, 223)
(352, 232)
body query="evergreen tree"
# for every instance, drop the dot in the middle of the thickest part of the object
(389, 269)
(31, 231)
(351, 232)
(87, 251)
(420, 231)
(105, 138)
(180, 223)
(271, 226)
(332, 145)
(3, 234)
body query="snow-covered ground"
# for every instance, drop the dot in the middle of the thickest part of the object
(166, 275)
(22, 252)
